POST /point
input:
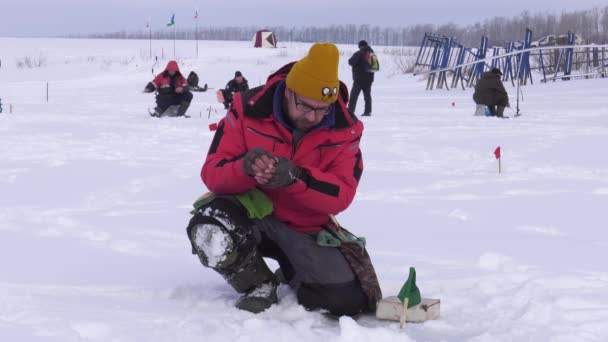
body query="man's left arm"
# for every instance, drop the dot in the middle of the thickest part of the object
(355, 59)
(330, 191)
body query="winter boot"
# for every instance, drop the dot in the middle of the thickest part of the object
(157, 112)
(259, 298)
(492, 110)
(247, 274)
(183, 107)
(255, 281)
(500, 110)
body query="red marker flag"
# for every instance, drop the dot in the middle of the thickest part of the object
(213, 127)
(497, 152)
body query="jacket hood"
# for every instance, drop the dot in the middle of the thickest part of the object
(172, 66)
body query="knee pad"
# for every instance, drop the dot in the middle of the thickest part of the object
(221, 234)
(214, 245)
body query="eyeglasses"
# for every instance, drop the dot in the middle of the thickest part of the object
(305, 108)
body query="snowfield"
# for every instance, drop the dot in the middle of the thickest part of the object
(95, 198)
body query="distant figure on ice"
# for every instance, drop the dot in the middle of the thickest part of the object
(364, 64)
(193, 82)
(490, 91)
(172, 90)
(236, 85)
(283, 160)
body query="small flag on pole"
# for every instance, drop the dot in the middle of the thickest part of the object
(196, 13)
(172, 22)
(148, 23)
(409, 290)
(409, 296)
(497, 155)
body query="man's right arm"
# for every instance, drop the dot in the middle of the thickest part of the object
(150, 87)
(223, 171)
(229, 86)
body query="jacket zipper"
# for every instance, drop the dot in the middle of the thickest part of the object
(266, 135)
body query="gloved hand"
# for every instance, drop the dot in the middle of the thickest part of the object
(258, 162)
(285, 172)
(149, 88)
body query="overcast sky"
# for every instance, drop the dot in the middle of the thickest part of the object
(30, 18)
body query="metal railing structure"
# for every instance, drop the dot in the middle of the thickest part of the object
(440, 57)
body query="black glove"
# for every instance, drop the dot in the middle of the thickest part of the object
(150, 87)
(285, 173)
(250, 158)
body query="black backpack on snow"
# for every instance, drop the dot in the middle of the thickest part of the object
(193, 79)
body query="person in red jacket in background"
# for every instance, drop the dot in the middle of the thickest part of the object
(284, 159)
(172, 89)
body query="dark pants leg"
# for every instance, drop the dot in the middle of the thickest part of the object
(164, 101)
(500, 110)
(320, 275)
(367, 96)
(222, 235)
(354, 94)
(227, 98)
(492, 109)
(184, 102)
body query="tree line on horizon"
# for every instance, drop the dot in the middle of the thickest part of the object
(591, 25)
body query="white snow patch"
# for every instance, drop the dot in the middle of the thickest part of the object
(495, 262)
(96, 235)
(549, 231)
(263, 290)
(213, 241)
(458, 214)
(600, 191)
(351, 331)
(128, 247)
(93, 331)
(51, 232)
(462, 197)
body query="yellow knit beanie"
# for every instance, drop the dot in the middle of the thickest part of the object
(316, 75)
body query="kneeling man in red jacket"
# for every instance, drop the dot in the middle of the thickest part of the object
(284, 159)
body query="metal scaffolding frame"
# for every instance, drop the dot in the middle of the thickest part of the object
(442, 56)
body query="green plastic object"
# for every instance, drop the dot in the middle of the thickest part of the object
(258, 205)
(336, 237)
(410, 291)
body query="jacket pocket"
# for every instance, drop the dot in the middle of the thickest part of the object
(267, 141)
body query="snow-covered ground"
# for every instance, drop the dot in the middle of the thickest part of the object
(95, 195)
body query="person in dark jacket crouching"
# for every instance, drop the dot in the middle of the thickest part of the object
(236, 85)
(490, 91)
(284, 159)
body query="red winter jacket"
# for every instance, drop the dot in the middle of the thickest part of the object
(163, 80)
(330, 156)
